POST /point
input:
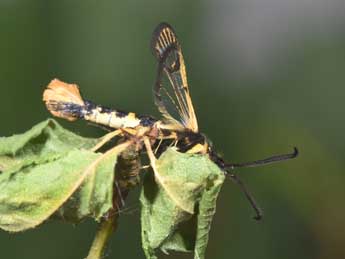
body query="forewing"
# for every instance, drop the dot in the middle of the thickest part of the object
(171, 91)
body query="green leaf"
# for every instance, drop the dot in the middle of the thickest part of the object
(94, 197)
(177, 215)
(41, 170)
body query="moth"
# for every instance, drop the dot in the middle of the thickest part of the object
(178, 126)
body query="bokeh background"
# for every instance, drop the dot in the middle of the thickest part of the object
(265, 76)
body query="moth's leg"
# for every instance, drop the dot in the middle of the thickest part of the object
(153, 160)
(173, 143)
(121, 199)
(159, 144)
(105, 139)
(150, 153)
(144, 167)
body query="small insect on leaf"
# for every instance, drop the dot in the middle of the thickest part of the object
(51, 171)
(47, 166)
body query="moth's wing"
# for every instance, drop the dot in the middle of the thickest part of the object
(171, 91)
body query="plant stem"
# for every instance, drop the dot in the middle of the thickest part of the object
(106, 228)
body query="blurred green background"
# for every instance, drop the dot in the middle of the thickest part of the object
(264, 75)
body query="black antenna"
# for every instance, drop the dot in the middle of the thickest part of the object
(269, 160)
(248, 195)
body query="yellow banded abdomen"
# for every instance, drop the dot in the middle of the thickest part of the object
(111, 118)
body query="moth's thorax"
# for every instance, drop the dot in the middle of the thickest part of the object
(192, 142)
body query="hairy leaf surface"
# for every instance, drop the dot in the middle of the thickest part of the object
(47, 166)
(178, 215)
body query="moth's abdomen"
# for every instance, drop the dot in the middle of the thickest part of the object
(64, 101)
(109, 117)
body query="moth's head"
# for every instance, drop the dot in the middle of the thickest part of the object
(215, 157)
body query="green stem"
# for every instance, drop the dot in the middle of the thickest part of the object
(105, 230)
